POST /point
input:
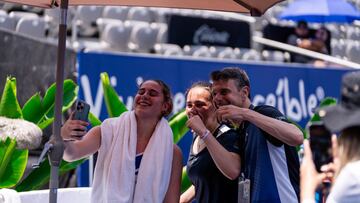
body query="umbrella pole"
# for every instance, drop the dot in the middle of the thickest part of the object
(57, 144)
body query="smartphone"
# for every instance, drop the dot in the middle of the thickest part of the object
(81, 111)
(320, 144)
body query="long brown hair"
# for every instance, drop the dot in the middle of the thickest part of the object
(349, 145)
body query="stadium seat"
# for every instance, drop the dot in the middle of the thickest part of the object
(338, 48)
(117, 35)
(89, 14)
(203, 52)
(140, 14)
(17, 15)
(251, 55)
(168, 49)
(197, 51)
(161, 14)
(190, 49)
(6, 22)
(335, 31)
(353, 33)
(34, 27)
(162, 32)
(32, 9)
(3, 13)
(143, 36)
(228, 53)
(277, 56)
(116, 12)
(52, 17)
(352, 51)
(86, 19)
(103, 22)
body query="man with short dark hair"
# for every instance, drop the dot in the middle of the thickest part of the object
(269, 158)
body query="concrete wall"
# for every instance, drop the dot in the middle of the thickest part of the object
(32, 62)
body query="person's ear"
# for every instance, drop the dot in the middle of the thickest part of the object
(165, 108)
(245, 93)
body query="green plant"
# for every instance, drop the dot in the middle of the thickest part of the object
(12, 163)
(41, 112)
(37, 110)
(328, 101)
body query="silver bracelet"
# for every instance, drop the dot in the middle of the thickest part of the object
(203, 137)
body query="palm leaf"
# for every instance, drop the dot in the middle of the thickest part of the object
(177, 124)
(32, 110)
(328, 101)
(41, 176)
(9, 106)
(185, 181)
(94, 120)
(69, 96)
(12, 163)
(41, 111)
(114, 105)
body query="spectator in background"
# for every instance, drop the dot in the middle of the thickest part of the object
(214, 162)
(137, 160)
(344, 117)
(318, 44)
(268, 156)
(298, 38)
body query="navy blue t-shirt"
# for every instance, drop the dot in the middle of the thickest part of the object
(271, 165)
(210, 184)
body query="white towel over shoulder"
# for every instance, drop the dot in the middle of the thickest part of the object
(114, 178)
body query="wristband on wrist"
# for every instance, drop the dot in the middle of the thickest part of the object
(203, 136)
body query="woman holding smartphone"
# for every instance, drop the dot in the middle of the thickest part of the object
(344, 170)
(137, 160)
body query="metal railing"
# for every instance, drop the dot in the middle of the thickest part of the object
(305, 52)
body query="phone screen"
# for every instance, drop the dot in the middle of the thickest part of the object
(320, 144)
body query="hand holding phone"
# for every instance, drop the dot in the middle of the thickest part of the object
(320, 144)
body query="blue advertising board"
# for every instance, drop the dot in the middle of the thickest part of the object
(294, 90)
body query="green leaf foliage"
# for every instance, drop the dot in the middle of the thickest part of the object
(177, 124)
(328, 101)
(41, 176)
(185, 181)
(32, 110)
(41, 112)
(114, 105)
(94, 121)
(9, 105)
(12, 163)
